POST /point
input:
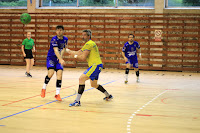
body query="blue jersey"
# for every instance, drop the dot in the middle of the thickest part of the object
(130, 50)
(55, 42)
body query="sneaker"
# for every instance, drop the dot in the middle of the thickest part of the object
(29, 75)
(58, 97)
(138, 80)
(43, 93)
(75, 103)
(108, 98)
(26, 73)
(126, 81)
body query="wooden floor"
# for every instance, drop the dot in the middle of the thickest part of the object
(163, 102)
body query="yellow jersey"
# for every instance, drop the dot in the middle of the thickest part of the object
(93, 57)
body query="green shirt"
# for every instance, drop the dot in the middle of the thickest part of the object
(28, 43)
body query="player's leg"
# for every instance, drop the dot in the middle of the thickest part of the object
(28, 58)
(128, 65)
(58, 84)
(100, 88)
(81, 89)
(137, 74)
(28, 67)
(94, 79)
(31, 63)
(46, 81)
(135, 65)
(51, 68)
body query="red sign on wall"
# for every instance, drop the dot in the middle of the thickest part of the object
(158, 35)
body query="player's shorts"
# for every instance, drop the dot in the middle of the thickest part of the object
(133, 61)
(53, 63)
(94, 71)
(29, 54)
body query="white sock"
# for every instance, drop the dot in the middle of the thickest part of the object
(78, 97)
(44, 86)
(126, 77)
(57, 90)
(107, 94)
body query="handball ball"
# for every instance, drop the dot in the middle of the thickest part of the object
(25, 18)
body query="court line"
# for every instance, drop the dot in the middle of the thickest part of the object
(33, 96)
(87, 111)
(48, 103)
(142, 115)
(135, 113)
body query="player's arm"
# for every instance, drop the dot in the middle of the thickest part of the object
(123, 55)
(62, 62)
(81, 55)
(63, 51)
(23, 51)
(23, 44)
(34, 48)
(140, 55)
(71, 52)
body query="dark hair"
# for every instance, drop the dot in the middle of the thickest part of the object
(59, 27)
(131, 35)
(89, 32)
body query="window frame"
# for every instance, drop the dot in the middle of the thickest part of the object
(14, 7)
(94, 7)
(179, 7)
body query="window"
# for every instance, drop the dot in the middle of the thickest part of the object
(59, 3)
(98, 3)
(183, 3)
(149, 3)
(13, 3)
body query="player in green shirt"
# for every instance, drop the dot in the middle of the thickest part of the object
(27, 48)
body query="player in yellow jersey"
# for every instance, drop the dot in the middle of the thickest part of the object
(90, 53)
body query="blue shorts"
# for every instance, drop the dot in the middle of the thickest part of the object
(53, 63)
(94, 71)
(133, 61)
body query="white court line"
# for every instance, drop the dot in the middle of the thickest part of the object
(131, 117)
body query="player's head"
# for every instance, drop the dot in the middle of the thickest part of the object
(59, 30)
(131, 37)
(28, 35)
(87, 34)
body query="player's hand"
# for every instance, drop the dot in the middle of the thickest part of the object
(62, 62)
(125, 59)
(140, 56)
(24, 55)
(68, 50)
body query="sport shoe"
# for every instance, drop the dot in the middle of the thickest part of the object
(126, 81)
(26, 73)
(138, 80)
(29, 75)
(43, 93)
(58, 97)
(75, 103)
(108, 98)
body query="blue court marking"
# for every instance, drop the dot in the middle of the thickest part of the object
(2, 125)
(47, 103)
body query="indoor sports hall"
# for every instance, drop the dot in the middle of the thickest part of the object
(166, 99)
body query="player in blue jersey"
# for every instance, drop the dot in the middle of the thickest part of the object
(129, 52)
(55, 61)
